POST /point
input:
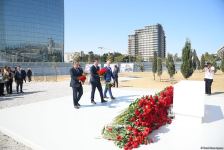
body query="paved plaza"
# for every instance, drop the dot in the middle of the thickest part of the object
(44, 118)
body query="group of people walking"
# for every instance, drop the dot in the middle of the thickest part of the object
(95, 82)
(8, 75)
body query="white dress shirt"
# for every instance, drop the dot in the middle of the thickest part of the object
(209, 72)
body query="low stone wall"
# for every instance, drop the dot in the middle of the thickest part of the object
(53, 69)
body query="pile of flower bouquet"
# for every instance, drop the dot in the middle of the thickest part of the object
(132, 127)
(82, 78)
(102, 71)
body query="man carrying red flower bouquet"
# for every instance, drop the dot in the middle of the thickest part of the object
(76, 72)
(95, 81)
(108, 75)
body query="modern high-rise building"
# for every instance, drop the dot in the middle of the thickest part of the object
(147, 41)
(32, 30)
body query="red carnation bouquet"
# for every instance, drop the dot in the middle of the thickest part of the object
(132, 127)
(82, 78)
(102, 71)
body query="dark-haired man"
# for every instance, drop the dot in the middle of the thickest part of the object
(95, 81)
(75, 72)
(19, 80)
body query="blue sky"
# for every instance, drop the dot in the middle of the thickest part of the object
(90, 24)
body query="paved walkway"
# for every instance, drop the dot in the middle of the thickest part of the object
(56, 125)
(42, 91)
(39, 125)
(35, 92)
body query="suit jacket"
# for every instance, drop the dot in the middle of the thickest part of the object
(23, 72)
(29, 73)
(94, 77)
(108, 75)
(75, 73)
(18, 76)
(115, 72)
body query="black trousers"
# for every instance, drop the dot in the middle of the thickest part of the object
(29, 78)
(77, 94)
(24, 78)
(115, 82)
(208, 84)
(19, 84)
(9, 87)
(99, 87)
(1, 89)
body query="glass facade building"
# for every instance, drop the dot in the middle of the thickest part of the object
(32, 30)
(147, 41)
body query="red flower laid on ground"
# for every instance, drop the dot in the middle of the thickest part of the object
(119, 137)
(133, 126)
(102, 71)
(82, 78)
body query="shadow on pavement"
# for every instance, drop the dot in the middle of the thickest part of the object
(212, 113)
(154, 136)
(125, 86)
(113, 103)
(16, 96)
(216, 93)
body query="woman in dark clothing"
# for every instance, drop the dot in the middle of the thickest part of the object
(29, 74)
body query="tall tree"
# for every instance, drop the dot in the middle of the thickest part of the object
(140, 65)
(214, 63)
(119, 58)
(194, 59)
(110, 57)
(222, 65)
(198, 64)
(186, 66)
(90, 57)
(207, 56)
(159, 67)
(76, 57)
(154, 65)
(170, 65)
(202, 61)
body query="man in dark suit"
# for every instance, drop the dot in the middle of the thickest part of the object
(29, 74)
(95, 81)
(75, 72)
(115, 74)
(19, 80)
